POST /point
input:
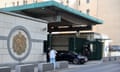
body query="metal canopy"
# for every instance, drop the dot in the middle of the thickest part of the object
(57, 15)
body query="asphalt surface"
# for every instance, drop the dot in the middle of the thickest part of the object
(94, 67)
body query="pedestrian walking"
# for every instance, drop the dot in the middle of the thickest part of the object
(52, 55)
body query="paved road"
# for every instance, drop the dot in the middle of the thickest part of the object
(102, 67)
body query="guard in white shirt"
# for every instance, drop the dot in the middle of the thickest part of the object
(52, 55)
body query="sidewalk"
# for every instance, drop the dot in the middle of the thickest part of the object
(73, 66)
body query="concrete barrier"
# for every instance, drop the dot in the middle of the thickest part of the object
(105, 59)
(42, 67)
(25, 68)
(118, 58)
(5, 69)
(112, 58)
(61, 64)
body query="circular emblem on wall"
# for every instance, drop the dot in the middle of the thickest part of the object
(19, 43)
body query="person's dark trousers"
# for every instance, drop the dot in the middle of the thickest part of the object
(48, 59)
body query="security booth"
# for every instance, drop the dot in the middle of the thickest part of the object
(89, 40)
(60, 18)
(92, 49)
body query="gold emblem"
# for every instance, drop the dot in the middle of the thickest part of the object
(19, 43)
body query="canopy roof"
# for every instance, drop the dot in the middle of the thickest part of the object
(56, 14)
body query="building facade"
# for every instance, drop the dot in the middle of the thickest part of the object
(103, 9)
(109, 11)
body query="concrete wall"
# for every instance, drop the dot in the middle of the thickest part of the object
(37, 30)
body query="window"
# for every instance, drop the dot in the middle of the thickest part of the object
(79, 2)
(88, 11)
(61, 1)
(36, 1)
(17, 3)
(67, 1)
(24, 1)
(13, 3)
(87, 1)
(5, 4)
